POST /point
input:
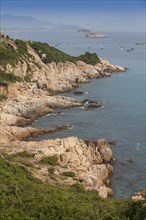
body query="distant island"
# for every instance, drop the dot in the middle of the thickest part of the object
(94, 35)
(141, 43)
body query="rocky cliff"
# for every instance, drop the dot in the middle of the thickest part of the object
(66, 161)
(29, 79)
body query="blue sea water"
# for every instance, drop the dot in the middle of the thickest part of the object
(122, 118)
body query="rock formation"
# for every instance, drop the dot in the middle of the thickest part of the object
(87, 162)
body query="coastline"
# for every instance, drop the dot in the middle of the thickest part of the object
(27, 102)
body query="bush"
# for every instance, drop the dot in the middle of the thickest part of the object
(23, 197)
(51, 160)
(8, 54)
(28, 77)
(69, 174)
(78, 187)
(22, 46)
(6, 78)
(24, 154)
(51, 170)
(54, 55)
(89, 58)
(51, 53)
(2, 97)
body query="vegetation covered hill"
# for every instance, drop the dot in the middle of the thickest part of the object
(12, 51)
(23, 197)
(17, 51)
(54, 55)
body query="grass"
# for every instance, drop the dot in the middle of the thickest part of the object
(51, 160)
(22, 47)
(24, 154)
(69, 174)
(8, 54)
(6, 78)
(23, 197)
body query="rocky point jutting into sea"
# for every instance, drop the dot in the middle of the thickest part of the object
(31, 83)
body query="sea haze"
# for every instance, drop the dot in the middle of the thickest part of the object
(23, 23)
(122, 118)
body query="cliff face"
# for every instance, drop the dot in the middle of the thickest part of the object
(28, 62)
(60, 76)
(30, 97)
(29, 80)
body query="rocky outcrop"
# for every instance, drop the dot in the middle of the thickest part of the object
(86, 162)
(26, 108)
(78, 161)
(57, 76)
(13, 133)
(141, 195)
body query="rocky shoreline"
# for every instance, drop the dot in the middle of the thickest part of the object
(89, 162)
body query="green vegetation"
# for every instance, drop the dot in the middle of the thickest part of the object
(23, 197)
(8, 54)
(2, 97)
(12, 51)
(68, 174)
(51, 170)
(24, 154)
(28, 77)
(22, 47)
(51, 160)
(50, 54)
(6, 78)
(79, 187)
(89, 58)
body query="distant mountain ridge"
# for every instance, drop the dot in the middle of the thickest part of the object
(27, 22)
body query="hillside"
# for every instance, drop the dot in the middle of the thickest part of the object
(24, 61)
(52, 179)
(25, 197)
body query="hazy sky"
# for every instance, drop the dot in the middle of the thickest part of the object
(104, 15)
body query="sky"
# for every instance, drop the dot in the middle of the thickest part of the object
(102, 15)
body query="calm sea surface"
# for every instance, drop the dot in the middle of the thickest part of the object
(122, 118)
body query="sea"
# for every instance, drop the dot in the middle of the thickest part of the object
(122, 117)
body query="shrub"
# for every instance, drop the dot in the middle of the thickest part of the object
(23, 197)
(28, 77)
(55, 55)
(78, 187)
(2, 97)
(8, 54)
(6, 78)
(89, 58)
(51, 160)
(24, 154)
(69, 174)
(52, 53)
(51, 170)
(22, 46)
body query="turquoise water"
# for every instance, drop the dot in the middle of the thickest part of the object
(122, 118)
